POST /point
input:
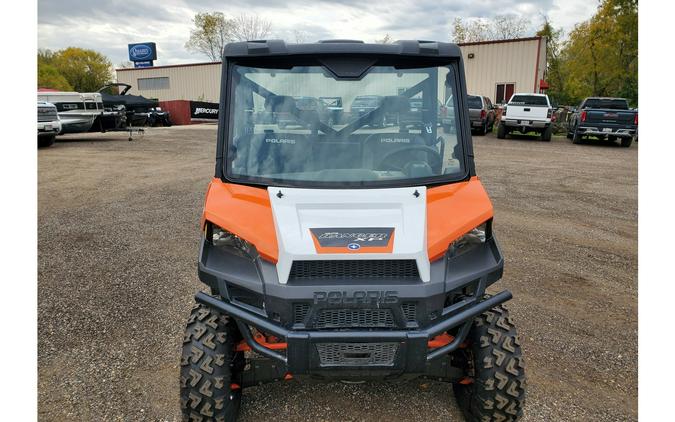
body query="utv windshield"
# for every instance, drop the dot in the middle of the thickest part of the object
(391, 129)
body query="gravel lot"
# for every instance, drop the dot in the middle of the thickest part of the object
(118, 238)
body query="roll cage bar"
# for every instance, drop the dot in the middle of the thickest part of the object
(390, 103)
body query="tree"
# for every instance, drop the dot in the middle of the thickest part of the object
(387, 39)
(300, 36)
(498, 28)
(49, 77)
(85, 70)
(600, 57)
(210, 34)
(212, 30)
(125, 64)
(509, 26)
(249, 28)
(554, 71)
(73, 69)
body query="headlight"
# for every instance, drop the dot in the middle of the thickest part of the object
(470, 240)
(229, 242)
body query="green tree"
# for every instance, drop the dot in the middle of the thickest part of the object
(73, 69)
(84, 70)
(600, 57)
(49, 77)
(554, 72)
(210, 33)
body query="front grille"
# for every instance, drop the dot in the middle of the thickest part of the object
(409, 311)
(46, 114)
(346, 354)
(353, 318)
(355, 269)
(300, 311)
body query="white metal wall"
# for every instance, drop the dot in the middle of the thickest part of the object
(504, 62)
(197, 82)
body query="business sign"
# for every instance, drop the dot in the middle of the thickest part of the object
(203, 110)
(147, 63)
(141, 52)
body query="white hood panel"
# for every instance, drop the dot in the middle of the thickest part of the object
(299, 210)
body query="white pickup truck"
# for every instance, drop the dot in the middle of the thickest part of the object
(49, 124)
(527, 113)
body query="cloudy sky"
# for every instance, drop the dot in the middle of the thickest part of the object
(108, 26)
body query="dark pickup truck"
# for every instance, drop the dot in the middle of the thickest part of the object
(604, 118)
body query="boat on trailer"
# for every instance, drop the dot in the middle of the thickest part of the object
(76, 114)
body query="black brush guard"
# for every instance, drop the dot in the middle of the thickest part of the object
(415, 355)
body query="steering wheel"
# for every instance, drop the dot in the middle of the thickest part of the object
(436, 161)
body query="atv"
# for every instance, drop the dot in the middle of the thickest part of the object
(346, 249)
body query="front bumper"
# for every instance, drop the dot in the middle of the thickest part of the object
(455, 295)
(408, 350)
(49, 128)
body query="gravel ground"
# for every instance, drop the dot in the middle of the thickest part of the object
(118, 238)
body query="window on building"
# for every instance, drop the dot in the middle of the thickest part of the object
(145, 84)
(504, 92)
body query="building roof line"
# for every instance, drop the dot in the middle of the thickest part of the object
(168, 66)
(498, 41)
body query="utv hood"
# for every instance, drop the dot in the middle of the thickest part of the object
(355, 224)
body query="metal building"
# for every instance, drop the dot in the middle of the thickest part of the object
(193, 82)
(495, 69)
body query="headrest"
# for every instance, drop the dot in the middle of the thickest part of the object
(280, 103)
(395, 104)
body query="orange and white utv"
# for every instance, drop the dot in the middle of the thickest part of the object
(352, 242)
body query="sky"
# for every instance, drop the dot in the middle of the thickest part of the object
(108, 26)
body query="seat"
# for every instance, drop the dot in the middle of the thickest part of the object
(379, 145)
(272, 153)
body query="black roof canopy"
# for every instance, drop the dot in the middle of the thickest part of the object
(416, 48)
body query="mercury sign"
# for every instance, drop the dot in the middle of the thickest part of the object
(141, 52)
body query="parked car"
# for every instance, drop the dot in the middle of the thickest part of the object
(334, 108)
(604, 118)
(49, 124)
(364, 104)
(525, 113)
(158, 117)
(481, 114)
(303, 104)
(415, 115)
(447, 115)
